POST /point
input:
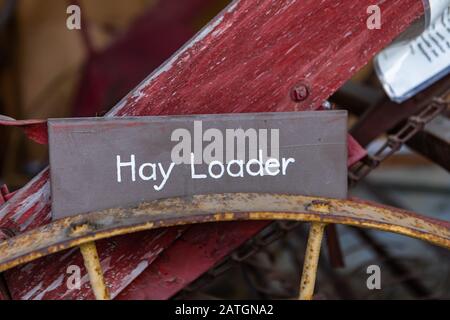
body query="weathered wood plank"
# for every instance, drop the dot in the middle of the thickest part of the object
(159, 281)
(47, 278)
(246, 60)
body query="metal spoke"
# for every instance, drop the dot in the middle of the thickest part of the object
(312, 254)
(92, 263)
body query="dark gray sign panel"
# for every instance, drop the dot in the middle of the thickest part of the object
(100, 163)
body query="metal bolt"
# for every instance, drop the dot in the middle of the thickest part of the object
(299, 92)
(327, 105)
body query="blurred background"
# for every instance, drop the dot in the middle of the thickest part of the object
(49, 71)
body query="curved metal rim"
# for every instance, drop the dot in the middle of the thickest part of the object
(77, 230)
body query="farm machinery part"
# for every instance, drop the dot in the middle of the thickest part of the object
(302, 59)
(83, 230)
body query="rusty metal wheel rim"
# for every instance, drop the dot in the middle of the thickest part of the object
(84, 229)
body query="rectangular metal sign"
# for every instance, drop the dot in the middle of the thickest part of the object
(100, 163)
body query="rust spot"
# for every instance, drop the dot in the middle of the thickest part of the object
(80, 228)
(322, 206)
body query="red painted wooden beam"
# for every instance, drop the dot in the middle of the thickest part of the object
(246, 59)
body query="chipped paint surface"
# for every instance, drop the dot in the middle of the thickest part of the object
(116, 261)
(259, 62)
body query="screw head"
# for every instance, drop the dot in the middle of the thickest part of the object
(327, 105)
(299, 92)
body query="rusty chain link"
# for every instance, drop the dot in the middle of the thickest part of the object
(275, 231)
(278, 230)
(395, 141)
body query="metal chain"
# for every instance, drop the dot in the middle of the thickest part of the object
(275, 231)
(278, 230)
(395, 141)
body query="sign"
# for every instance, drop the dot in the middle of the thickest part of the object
(101, 163)
(406, 68)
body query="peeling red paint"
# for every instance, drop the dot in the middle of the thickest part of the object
(36, 130)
